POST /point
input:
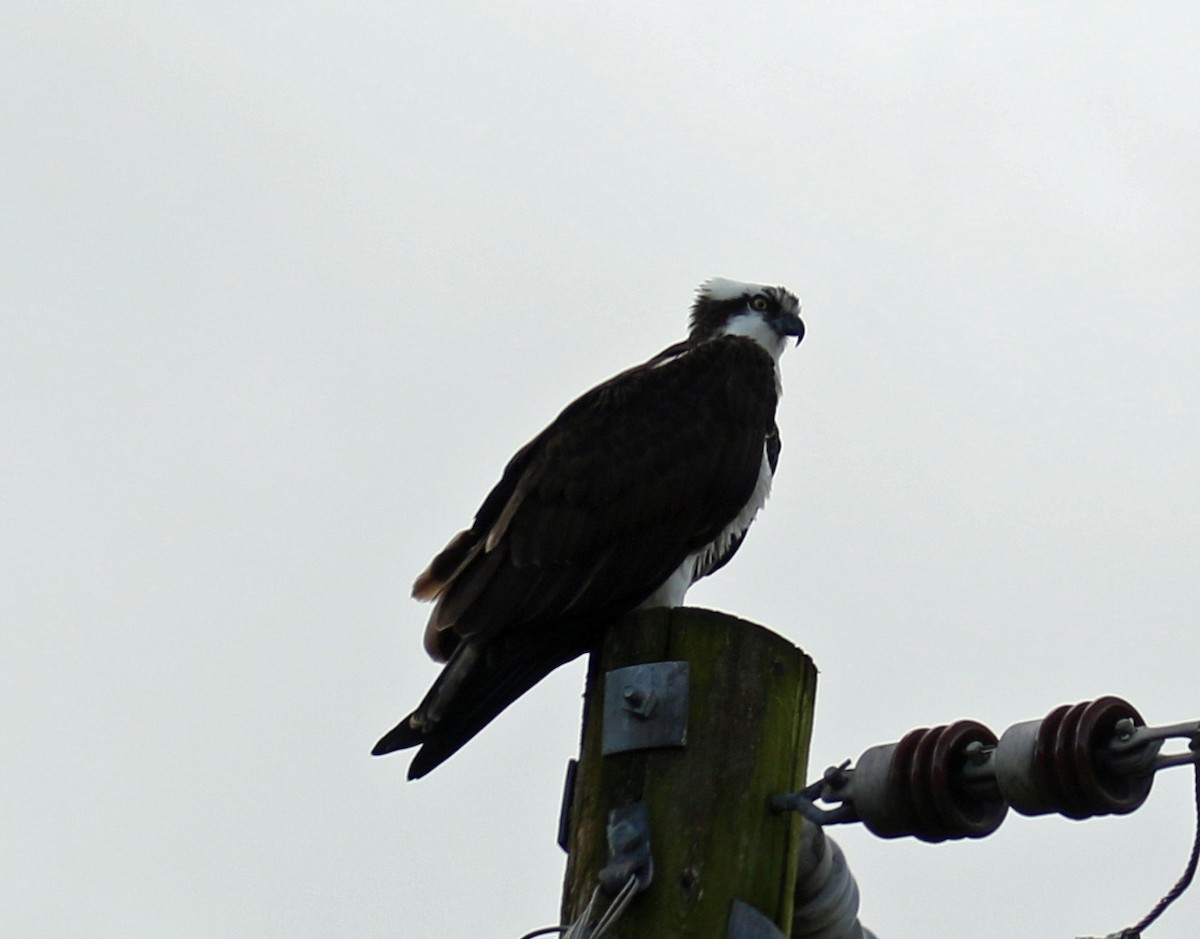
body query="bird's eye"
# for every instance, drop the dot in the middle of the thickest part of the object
(759, 303)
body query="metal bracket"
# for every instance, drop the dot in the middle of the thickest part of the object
(564, 810)
(829, 787)
(645, 706)
(628, 848)
(747, 922)
(1137, 747)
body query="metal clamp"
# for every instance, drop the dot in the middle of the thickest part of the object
(628, 848)
(645, 706)
(1139, 745)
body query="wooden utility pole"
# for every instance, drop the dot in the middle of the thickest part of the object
(713, 836)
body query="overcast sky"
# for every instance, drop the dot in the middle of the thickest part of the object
(284, 285)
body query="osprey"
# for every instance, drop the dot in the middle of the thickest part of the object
(639, 488)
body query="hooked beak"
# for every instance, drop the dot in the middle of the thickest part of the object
(790, 324)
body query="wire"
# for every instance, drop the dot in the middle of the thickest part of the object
(1185, 880)
(583, 927)
(616, 908)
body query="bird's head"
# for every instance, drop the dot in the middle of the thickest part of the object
(732, 308)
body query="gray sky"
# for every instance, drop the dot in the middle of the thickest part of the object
(284, 285)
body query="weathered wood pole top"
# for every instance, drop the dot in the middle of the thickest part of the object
(714, 837)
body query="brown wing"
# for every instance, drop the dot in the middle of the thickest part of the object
(594, 513)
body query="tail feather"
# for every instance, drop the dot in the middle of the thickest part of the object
(478, 694)
(400, 737)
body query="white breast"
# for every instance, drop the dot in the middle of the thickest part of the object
(699, 563)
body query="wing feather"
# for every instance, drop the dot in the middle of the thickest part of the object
(647, 467)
